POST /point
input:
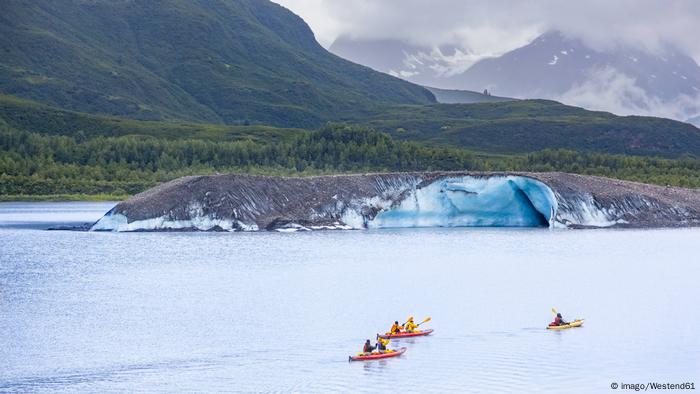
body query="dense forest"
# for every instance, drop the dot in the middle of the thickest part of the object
(523, 126)
(37, 164)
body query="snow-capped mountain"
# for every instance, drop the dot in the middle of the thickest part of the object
(419, 64)
(623, 80)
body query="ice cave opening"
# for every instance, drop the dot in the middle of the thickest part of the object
(473, 201)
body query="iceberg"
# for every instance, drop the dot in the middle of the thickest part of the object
(235, 202)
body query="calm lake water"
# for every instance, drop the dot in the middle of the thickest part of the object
(272, 312)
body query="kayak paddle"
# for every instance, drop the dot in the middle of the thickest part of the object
(427, 319)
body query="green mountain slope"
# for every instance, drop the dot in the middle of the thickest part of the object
(37, 118)
(228, 70)
(530, 125)
(454, 96)
(521, 126)
(215, 61)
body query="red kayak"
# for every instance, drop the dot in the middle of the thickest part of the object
(377, 356)
(407, 334)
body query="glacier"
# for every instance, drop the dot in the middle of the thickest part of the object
(234, 202)
(473, 202)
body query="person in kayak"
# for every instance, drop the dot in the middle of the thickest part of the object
(396, 328)
(381, 344)
(410, 326)
(368, 348)
(559, 320)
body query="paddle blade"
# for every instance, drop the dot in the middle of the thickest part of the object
(554, 310)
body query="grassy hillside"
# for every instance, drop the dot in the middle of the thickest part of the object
(531, 125)
(30, 116)
(514, 127)
(213, 61)
(453, 96)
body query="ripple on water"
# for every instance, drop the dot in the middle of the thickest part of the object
(96, 312)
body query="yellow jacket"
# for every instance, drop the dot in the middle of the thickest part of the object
(410, 326)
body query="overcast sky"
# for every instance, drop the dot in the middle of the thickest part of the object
(491, 27)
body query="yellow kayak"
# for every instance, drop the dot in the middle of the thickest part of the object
(575, 323)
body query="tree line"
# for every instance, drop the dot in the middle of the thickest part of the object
(38, 164)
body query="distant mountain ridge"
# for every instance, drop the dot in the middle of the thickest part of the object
(218, 61)
(553, 66)
(419, 64)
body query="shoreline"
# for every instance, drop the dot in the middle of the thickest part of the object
(62, 197)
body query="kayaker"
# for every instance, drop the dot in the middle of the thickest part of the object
(559, 320)
(395, 328)
(410, 326)
(381, 344)
(368, 348)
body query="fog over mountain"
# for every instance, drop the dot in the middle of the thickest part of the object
(491, 28)
(627, 81)
(643, 55)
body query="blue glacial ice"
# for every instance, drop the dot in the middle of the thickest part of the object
(450, 201)
(496, 201)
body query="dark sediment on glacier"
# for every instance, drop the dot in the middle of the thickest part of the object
(243, 202)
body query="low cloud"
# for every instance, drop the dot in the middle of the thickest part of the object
(607, 89)
(474, 29)
(492, 27)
